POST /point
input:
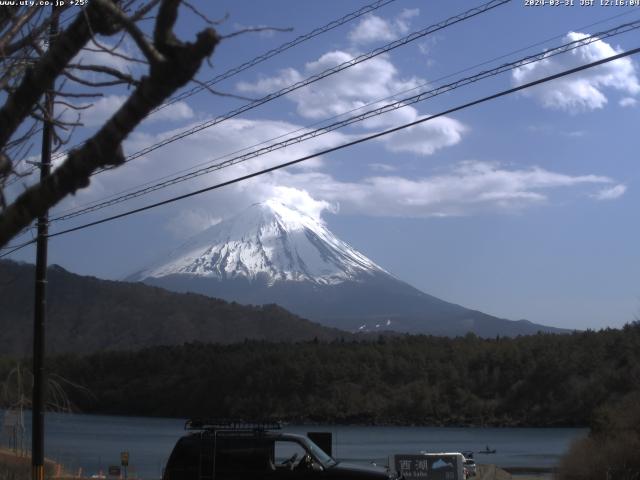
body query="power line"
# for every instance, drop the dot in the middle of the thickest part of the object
(271, 53)
(17, 247)
(319, 76)
(354, 142)
(60, 154)
(357, 118)
(265, 56)
(394, 95)
(345, 145)
(30, 228)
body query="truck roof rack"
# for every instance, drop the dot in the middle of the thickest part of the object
(214, 424)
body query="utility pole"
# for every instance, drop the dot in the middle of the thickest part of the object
(39, 380)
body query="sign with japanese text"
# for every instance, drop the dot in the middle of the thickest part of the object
(428, 466)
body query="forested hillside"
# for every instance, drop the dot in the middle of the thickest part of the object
(536, 380)
(87, 314)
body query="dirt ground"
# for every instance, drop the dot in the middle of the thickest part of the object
(491, 472)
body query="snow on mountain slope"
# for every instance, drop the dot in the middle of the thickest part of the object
(270, 241)
(273, 253)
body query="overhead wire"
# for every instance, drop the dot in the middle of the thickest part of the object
(372, 6)
(354, 142)
(15, 248)
(265, 56)
(314, 124)
(276, 51)
(31, 170)
(416, 35)
(631, 52)
(356, 118)
(340, 147)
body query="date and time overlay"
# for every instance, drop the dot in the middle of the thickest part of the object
(526, 3)
(581, 3)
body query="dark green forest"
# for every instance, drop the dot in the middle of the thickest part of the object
(87, 314)
(540, 380)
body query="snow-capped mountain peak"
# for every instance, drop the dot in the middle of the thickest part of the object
(269, 241)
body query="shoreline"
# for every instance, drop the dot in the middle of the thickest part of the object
(343, 423)
(493, 472)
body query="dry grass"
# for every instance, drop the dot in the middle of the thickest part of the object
(18, 467)
(614, 457)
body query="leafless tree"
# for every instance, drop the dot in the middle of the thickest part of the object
(16, 394)
(30, 66)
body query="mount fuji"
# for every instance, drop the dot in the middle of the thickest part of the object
(274, 253)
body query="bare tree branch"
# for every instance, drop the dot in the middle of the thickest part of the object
(49, 67)
(15, 28)
(202, 15)
(254, 30)
(78, 94)
(145, 47)
(18, 141)
(72, 106)
(178, 64)
(124, 80)
(140, 13)
(7, 50)
(115, 53)
(106, 70)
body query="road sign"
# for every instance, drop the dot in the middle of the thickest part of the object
(114, 471)
(429, 466)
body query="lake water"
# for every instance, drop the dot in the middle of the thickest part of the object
(93, 442)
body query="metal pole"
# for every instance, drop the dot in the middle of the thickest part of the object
(39, 380)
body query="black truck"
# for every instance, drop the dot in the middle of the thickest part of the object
(214, 450)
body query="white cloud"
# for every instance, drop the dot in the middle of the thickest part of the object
(352, 88)
(585, 90)
(301, 200)
(375, 29)
(103, 108)
(467, 189)
(610, 193)
(425, 47)
(94, 54)
(229, 139)
(356, 87)
(265, 85)
(628, 102)
(372, 29)
(188, 222)
(174, 112)
(382, 167)
(426, 138)
(234, 135)
(575, 133)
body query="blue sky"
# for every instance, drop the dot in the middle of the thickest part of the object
(524, 207)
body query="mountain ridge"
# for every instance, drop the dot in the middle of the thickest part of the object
(87, 314)
(274, 253)
(270, 239)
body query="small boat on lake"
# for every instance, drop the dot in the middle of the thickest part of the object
(487, 450)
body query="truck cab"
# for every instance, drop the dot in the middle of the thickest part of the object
(239, 451)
